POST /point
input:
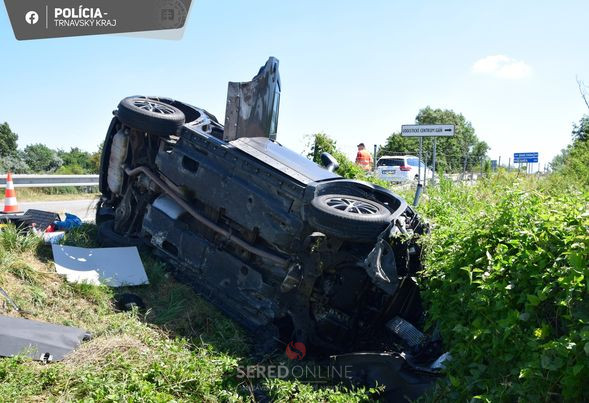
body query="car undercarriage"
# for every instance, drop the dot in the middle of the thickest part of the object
(288, 249)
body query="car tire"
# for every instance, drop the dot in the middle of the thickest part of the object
(108, 237)
(126, 302)
(150, 115)
(348, 217)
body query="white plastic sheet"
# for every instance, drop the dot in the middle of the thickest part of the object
(115, 267)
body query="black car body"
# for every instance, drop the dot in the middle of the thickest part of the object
(277, 242)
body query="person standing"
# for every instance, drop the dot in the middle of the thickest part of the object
(363, 158)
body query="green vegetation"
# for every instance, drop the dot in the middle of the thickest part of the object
(8, 140)
(572, 164)
(38, 158)
(451, 151)
(506, 281)
(180, 349)
(57, 193)
(41, 158)
(321, 143)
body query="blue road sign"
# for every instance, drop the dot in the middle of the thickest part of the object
(525, 157)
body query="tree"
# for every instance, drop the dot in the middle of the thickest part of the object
(95, 159)
(14, 164)
(8, 141)
(321, 143)
(450, 151)
(574, 152)
(581, 130)
(41, 158)
(78, 160)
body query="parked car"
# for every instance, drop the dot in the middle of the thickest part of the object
(401, 168)
(280, 244)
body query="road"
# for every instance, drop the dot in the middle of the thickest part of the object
(85, 209)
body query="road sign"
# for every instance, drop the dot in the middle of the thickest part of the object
(427, 130)
(422, 131)
(525, 157)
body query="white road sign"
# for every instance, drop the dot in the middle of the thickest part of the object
(427, 130)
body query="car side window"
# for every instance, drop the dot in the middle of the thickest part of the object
(414, 162)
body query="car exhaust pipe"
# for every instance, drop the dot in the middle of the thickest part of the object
(205, 221)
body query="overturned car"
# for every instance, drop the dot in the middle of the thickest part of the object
(287, 248)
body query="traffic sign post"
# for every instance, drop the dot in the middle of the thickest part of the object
(527, 158)
(434, 163)
(420, 159)
(422, 131)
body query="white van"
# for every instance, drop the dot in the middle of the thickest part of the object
(401, 168)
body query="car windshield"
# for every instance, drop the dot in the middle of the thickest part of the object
(390, 162)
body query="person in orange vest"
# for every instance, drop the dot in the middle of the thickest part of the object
(363, 158)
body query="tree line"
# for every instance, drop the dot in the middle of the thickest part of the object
(38, 158)
(452, 153)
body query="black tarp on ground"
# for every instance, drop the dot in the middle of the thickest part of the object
(39, 218)
(38, 340)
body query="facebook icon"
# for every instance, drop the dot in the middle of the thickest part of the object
(32, 17)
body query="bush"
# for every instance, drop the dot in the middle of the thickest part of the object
(572, 166)
(321, 143)
(14, 164)
(506, 279)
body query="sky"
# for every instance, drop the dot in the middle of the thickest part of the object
(354, 70)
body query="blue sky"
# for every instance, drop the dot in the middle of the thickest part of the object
(355, 70)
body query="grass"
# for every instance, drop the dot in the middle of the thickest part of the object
(56, 193)
(180, 349)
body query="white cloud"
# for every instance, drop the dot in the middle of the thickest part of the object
(501, 66)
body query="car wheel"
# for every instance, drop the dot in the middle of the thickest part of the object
(126, 302)
(348, 217)
(150, 115)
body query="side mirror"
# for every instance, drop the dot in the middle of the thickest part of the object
(329, 162)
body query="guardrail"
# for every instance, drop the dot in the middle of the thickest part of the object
(38, 181)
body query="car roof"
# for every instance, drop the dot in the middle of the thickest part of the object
(384, 157)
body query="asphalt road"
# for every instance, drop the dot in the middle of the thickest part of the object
(85, 209)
